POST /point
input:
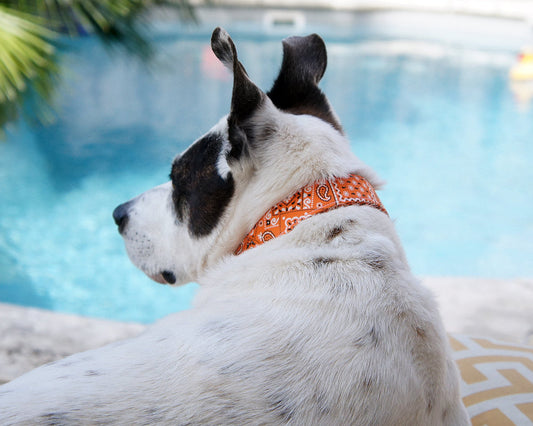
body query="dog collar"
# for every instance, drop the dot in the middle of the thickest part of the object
(310, 200)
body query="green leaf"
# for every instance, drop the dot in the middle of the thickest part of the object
(27, 60)
(29, 29)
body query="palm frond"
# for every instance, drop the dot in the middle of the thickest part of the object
(28, 28)
(119, 23)
(27, 62)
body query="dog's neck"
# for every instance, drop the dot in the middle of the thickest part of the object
(308, 201)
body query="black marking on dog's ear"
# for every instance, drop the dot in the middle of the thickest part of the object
(200, 194)
(246, 97)
(223, 47)
(305, 58)
(238, 139)
(296, 87)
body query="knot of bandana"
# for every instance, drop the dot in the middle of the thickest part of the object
(310, 200)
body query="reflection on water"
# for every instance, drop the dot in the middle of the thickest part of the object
(523, 94)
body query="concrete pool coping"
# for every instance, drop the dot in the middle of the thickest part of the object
(490, 25)
(29, 337)
(512, 9)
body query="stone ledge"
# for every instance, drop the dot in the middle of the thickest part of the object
(30, 337)
(496, 308)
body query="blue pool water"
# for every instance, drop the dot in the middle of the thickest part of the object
(441, 125)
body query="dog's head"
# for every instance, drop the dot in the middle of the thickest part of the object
(268, 146)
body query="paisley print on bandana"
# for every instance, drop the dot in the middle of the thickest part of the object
(308, 201)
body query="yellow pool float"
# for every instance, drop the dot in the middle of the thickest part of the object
(523, 69)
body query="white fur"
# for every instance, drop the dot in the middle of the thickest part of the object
(314, 327)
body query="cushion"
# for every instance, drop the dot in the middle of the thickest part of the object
(497, 380)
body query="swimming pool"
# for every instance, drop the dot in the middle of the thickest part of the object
(439, 123)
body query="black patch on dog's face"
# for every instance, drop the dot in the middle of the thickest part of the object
(199, 193)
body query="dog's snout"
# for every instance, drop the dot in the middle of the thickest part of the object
(121, 216)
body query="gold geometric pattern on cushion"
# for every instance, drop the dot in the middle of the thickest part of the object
(497, 380)
(492, 417)
(527, 409)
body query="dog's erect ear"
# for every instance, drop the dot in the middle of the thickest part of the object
(304, 59)
(296, 88)
(246, 95)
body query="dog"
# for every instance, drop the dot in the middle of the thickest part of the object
(306, 314)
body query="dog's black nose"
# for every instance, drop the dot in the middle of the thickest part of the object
(121, 215)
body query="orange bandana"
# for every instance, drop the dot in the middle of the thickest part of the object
(308, 201)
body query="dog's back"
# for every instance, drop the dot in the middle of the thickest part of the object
(333, 328)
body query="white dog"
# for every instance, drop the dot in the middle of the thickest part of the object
(306, 314)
